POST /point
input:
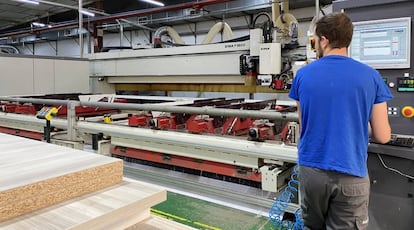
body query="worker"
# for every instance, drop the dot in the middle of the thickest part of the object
(338, 98)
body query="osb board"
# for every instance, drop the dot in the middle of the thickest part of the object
(34, 174)
(116, 207)
(158, 223)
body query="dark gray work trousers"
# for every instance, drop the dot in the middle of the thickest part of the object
(332, 200)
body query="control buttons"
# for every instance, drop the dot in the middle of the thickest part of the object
(391, 84)
(393, 111)
(407, 111)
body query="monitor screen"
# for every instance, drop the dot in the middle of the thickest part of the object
(382, 44)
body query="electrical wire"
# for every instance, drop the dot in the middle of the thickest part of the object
(269, 19)
(393, 169)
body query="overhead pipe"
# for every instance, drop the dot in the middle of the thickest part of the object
(91, 11)
(9, 49)
(134, 13)
(167, 30)
(217, 28)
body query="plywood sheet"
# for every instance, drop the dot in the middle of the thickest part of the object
(117, 207)
(34, 174)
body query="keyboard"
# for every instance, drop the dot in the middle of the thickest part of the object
(402, 142)
(399, 140)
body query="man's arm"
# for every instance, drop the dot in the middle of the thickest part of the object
(299, 116)
(298, 106)
(380, 126)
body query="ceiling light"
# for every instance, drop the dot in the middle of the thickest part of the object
(29, 1)
(154, 2)
(87, 13)
(38, 24)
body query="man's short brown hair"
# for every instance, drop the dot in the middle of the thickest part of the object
(337, 28)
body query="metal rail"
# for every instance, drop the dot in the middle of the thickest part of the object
(239, 151)
(272, 115)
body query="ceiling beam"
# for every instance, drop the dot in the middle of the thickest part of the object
(195, 5)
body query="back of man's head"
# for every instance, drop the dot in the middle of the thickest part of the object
(337, 28)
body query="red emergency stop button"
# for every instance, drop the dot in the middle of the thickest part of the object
(407, 111)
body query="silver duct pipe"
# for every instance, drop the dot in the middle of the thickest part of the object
(196, 110)
(9, 49)
(37, 100)
(317, 8)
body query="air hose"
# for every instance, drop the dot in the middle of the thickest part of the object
(280, 205)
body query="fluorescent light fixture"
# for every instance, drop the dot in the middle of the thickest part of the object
(154, 2)
(29, 1)
(87, 13)
(38, 24)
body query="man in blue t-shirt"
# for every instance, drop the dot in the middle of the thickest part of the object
(338, 99)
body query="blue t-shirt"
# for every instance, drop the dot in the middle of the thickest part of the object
(336, 95)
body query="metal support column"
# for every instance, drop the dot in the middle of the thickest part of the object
(80, 28)
(71, 120)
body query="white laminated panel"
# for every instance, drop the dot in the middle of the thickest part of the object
(35, 175)
(117, 207)
(44, 76)
(16, 76)
(213, 64)
(71, 76)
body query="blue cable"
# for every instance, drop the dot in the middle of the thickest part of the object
(282, 202)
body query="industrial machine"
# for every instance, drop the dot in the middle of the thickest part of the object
(250, 142)
(261, 61)
(204, 136)
(391, 166)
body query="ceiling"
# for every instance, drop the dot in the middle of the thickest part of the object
(17, 16)
(15, 13)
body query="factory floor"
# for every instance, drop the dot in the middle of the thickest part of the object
(205, 215)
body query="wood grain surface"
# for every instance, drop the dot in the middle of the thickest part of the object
(116, 207)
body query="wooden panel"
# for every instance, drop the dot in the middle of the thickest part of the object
(34, 174)
(117, 207)
(158, 223)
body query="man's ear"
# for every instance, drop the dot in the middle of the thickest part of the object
(324, 41)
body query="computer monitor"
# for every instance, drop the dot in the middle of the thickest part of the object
(382, 44)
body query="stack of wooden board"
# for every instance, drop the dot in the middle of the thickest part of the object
(34, 175)
(122, 206)
(45, 186)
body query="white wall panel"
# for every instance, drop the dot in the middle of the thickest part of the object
(43, 72)
(32, 75)
(71, 76)
(45, 48)
(112, 39)
(16, 76)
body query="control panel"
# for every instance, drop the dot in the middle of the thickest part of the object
(405, 84)
(401, 107)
